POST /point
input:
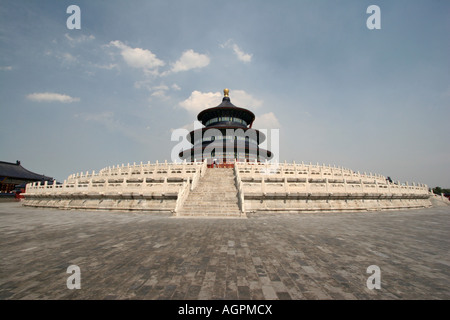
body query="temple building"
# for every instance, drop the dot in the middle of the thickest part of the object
(13, 175)
(227, 174)
(227, 136)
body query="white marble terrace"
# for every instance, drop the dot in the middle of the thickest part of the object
(308, 178)
(266, 186)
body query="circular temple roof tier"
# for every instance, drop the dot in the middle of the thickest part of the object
(260, 137)
(226, 127)
(226, 109)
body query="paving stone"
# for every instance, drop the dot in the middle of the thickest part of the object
(269, 293)
(127, 255)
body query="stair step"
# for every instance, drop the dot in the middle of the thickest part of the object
(203, 197)
(215, 195)
(214, 189)
(209, 212)
(210, 207)
(214, 213)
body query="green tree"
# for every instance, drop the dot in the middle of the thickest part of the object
(437, 190)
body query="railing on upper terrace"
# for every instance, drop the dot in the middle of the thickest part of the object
(302, 178)
(240, 189)
(143, 178)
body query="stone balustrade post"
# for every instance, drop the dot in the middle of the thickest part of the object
(263, 186)
(307, 185)
(143, 183)
(286, 186)
(165, 186)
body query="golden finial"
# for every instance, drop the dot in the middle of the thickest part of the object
(226, 92)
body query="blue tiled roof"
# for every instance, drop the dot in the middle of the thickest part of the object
(15, 170)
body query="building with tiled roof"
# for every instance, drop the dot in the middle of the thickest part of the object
(13, 174)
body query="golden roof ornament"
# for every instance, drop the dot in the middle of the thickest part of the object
(226, 92)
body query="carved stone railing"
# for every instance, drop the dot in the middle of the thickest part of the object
(240, 189)
(182, 196)
(187, 187)
(294, 178)
(199, 173)
(131, 178)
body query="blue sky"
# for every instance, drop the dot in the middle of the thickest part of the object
(114, 91)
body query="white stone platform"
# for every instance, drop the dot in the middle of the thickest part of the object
(291, 187)
(144, 187)
(192, 189)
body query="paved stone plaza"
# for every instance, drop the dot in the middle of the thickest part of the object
(124, 255)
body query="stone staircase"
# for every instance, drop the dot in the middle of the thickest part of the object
(215, 195)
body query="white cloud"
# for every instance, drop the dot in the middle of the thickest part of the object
(241, 55)
(242, 99)
(51, 97)
(161, 93)
(195, 125)
(144, 84)
(106, 66)
(162, 87)
(199, 101)
(266, 121)
(68, 58)
(147, 60)
(6, 68)
(190, 60)
(80, 39)
(191, 126)
(138, 58)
